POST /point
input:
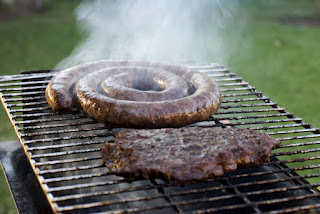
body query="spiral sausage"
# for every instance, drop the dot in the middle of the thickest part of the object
(136, 94)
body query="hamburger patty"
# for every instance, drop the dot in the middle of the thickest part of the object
(185, 154)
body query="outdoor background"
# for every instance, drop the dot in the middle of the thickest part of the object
(281, 57)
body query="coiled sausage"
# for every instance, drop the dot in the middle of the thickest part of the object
(136, 94)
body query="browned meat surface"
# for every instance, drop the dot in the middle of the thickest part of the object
(185, 154)
(135, 94)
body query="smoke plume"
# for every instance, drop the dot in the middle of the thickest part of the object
(166, 30)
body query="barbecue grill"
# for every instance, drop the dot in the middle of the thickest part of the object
(64, 154)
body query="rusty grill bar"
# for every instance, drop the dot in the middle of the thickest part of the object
(64, 152)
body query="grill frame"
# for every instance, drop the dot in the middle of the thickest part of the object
(291, 169)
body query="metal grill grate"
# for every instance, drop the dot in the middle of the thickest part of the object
(64, 151)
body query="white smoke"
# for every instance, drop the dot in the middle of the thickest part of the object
(167, 30)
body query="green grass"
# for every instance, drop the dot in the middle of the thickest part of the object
(281, 60)
(6, 202)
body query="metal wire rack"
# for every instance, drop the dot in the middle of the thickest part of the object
(64, 152)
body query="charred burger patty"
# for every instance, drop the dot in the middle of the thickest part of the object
(185, 154)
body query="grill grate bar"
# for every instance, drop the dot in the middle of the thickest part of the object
(90, 136)
(256, 116)
(23, 94)
(305, 125)
(282, 189)
(89, 185)
(50, 72)
(297, 152)
(287, 170)
(315, 166)
(293, 198)
(244, 94)
(249, 111)
(247, 105)
(45, 114)
(30, 109)
(215, 70)
(299, 144)
(22, 77)
(65, 153)
(69, 169)
(297, 120)
(221, 75)
(44, 82)
(263, 173)
(74, 177)
(67, 161)
(299, 137)
(27, 104)
(62, 118)
(210, 68)
(275, 181)
(59, 146)
(233, 84)
(265, 99)
(250, 88)
(34, 115)
(294, 131)
(81, 123)
(64, 131)
(299, 160)
(24, 99)
(298, 209)
(24, 88)
(225, 79)
(222, 208)
(92, 194)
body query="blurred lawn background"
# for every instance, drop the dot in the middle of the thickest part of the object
(281, 59)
